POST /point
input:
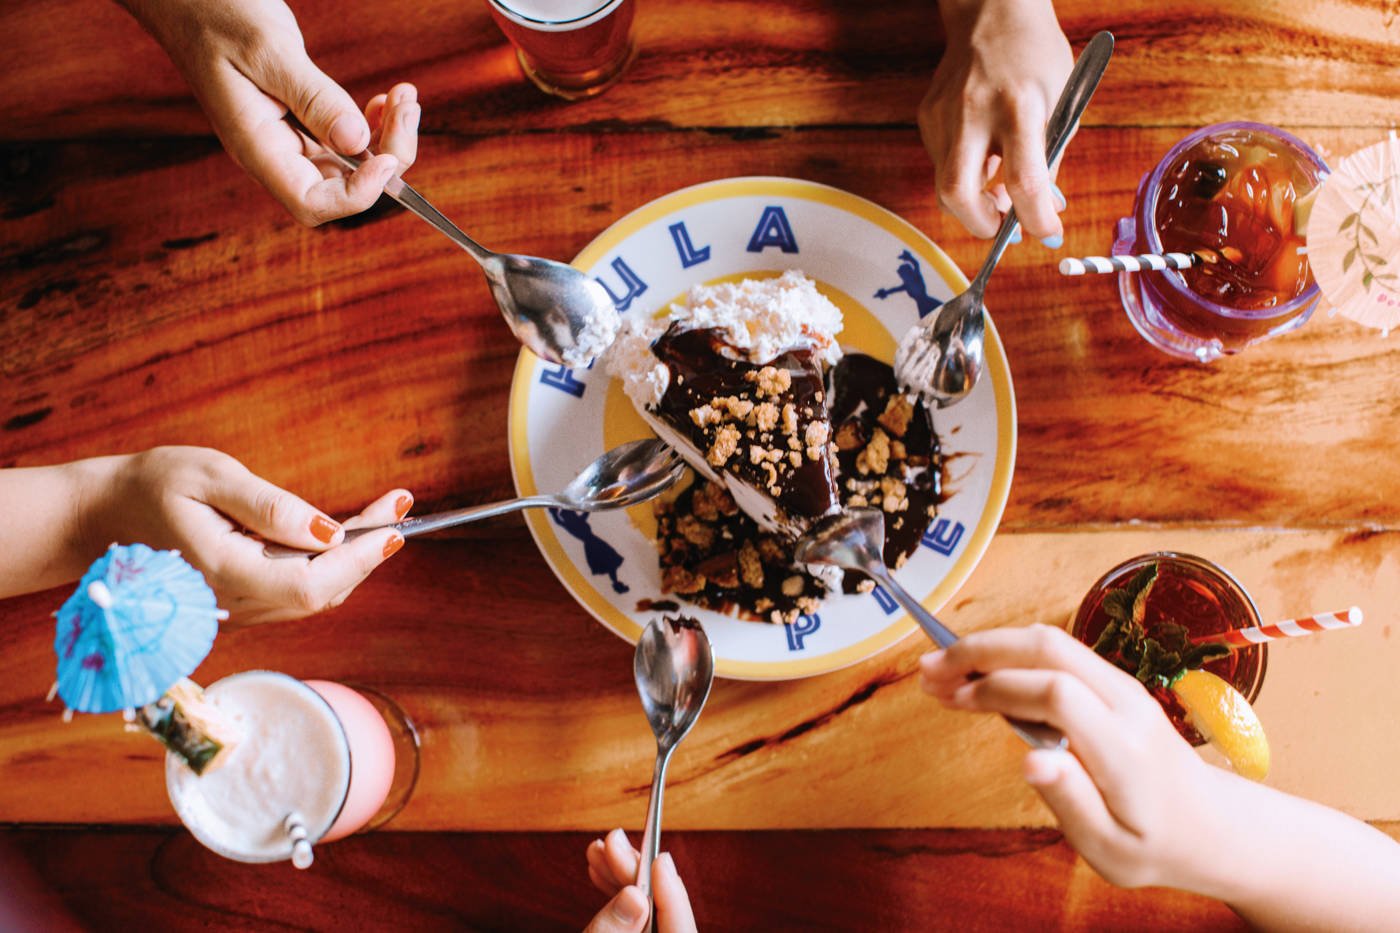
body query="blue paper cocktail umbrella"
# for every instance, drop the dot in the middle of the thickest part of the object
(128, 638)
(139, 621)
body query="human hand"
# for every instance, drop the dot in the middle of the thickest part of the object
(1131, 795)
(1003, 69)
(212, 509)
(246, 62)
(612, 867)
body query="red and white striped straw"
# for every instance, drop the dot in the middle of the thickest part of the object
(1290, 628)
(1148, 261)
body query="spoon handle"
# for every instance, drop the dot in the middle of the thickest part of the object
(1035, 734)
(999, 245)
(401, 191)
(423, 524)
(1079, 88)
(1082, 83)
(404, 193)
(651, 835)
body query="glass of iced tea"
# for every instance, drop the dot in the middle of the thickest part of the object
(1226, 193)
(1190, 592)
(569, 48)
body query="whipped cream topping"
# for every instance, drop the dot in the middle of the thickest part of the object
(760, 318)
(598, 332)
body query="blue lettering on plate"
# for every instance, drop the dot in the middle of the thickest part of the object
(562, 378)
(603, 559)
(885, 600)
(911, 277)
(690, 256)
(943, 537)
(773, 230)
(631, 283)
(798, 631)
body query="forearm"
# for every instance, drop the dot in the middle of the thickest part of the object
(1285, 863)
(960, 16)
(47, 522)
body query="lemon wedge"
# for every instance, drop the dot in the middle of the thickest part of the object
(1302, 211)
(1224, 718)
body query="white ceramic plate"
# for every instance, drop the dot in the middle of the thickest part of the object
(882, 273)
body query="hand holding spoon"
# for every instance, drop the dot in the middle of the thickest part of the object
(556, 311)
(941, 357)
(624, 476)
(674, 667)
(855, 540)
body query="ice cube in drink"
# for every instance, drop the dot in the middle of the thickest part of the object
(1234, 192)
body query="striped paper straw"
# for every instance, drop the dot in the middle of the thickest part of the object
(301, 849)
(1290, 628)
(1104, 264)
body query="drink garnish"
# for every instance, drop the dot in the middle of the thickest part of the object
(188, 725)
(1156, 660)
(1223, 717)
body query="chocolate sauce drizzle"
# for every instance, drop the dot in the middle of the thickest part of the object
(701, 371)
(701, 532)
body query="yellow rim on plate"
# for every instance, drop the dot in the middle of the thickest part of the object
(996, 371)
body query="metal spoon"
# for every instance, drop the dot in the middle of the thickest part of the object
(555, 310)
(674, 666)
(626, 475)
(941, 358)
(855, 540)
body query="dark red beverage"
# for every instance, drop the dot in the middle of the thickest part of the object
(1232, 196)
(1189, 592)
(569, 48)
(1226, 193)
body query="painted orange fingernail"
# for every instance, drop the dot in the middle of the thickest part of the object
(402, 505)
(392, 545)
(323, 529)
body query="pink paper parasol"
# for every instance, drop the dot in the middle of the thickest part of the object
(1354, 236)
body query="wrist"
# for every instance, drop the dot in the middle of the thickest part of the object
(174, 24)
(960, 16)
(1222, 861)
(93, 494)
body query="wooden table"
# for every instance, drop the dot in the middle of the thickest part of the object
(153, 294)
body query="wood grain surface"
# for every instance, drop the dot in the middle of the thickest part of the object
(725, 63)
(885, 880)
(208, 316)
(530, 720)
(153, 294)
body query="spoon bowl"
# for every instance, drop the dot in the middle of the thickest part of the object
(627, 475)
(555, 310)
(674, 667)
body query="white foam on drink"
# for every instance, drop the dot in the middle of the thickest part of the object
(556, 15)
(293, 757)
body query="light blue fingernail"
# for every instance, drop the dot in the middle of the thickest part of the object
(1059, 195)
(1053, 242)
(1015, 234)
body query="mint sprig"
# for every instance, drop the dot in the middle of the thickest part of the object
(1156, 661)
